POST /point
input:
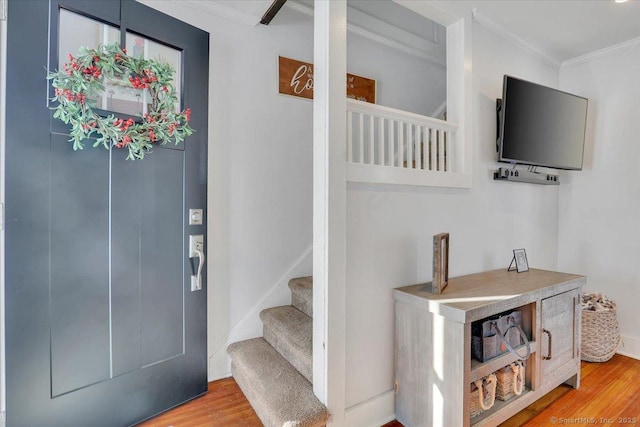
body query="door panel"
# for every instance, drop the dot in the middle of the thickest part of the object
(79, 274)
(102, 328)
(558, 316)
(162, 256)
(126, 220)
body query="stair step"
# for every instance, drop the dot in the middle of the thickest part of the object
(290, 332)
(276, 390)
(302, 294)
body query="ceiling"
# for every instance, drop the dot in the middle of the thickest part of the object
(559, 30)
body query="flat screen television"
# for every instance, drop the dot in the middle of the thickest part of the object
(540, 126)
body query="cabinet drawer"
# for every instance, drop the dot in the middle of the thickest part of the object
(559, 328)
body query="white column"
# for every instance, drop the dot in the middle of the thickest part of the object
(459, 102)
(329, 205)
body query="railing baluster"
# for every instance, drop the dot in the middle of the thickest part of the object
(361, 139)
(448, 151)
(433, 144)
(441, 151)
(410, 164)
(372, 151)
(426, 138)
(381, 141)
(350, 136)
(401, 144)
(392, 142)
(417, 145)
(423, 151)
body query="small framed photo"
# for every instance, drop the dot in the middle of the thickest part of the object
(520, 258)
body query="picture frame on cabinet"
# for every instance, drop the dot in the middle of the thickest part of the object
(440, 263)
(520, 260)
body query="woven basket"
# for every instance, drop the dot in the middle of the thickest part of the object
(485, 387)
(510, 381)
(600, 335)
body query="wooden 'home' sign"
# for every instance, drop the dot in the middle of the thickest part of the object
(296, 79)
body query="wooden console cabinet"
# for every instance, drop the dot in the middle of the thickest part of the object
(433, 364)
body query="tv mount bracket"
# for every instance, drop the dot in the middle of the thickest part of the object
(498, 112)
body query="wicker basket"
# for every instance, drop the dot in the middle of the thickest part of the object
(510, 381)
(485, 387)
(600, 335)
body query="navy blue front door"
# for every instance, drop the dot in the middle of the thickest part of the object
(102, 328)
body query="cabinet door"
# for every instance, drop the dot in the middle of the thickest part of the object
(559, 338)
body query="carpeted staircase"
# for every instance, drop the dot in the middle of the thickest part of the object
(275, 372)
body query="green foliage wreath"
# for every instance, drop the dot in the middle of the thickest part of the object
(77, 86)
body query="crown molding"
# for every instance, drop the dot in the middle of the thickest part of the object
(517, 40)
(299, 7)
(601, 53)
(386, 34)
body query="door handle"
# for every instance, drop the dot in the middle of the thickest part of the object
(196, 249)
(198, 276)
(548, 357)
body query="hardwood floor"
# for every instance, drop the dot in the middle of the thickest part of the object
(223, 405)
(609, 395)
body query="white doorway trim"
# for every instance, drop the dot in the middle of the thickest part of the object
(3, 91)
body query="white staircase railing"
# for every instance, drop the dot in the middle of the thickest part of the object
(385, 145)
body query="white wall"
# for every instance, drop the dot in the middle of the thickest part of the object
(390, 229)
(260, 166)
(404, 81)
(598, 223)
(260, 160)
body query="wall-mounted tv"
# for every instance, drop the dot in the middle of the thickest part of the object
(540, 126)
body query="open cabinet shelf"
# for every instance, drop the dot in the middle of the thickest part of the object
(498, 407)
(482, 369)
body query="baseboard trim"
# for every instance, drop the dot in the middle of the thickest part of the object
(630, 347)
(374, 412)
(250, 326)
(219, 377)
